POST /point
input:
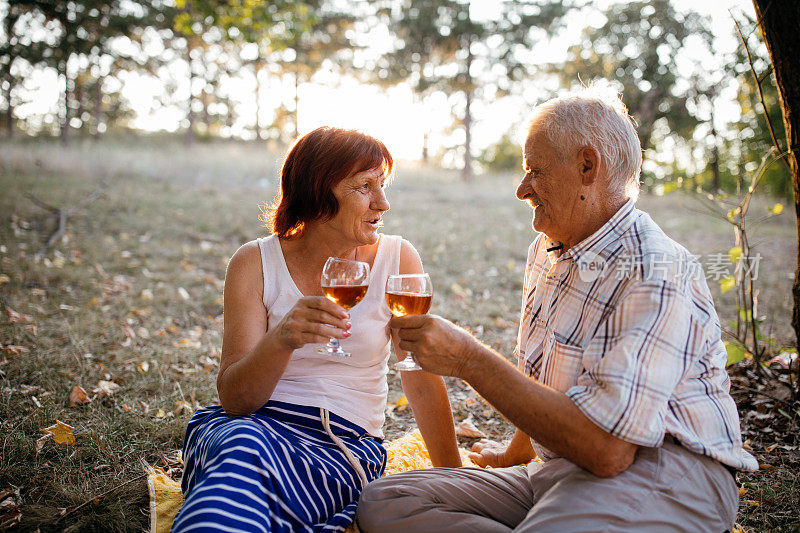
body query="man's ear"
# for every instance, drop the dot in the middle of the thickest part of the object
(588, 164)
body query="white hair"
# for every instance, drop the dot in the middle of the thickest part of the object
(594, 117)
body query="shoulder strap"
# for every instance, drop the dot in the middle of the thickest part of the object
(269, 268)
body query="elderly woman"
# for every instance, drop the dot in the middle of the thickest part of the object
(298, 434)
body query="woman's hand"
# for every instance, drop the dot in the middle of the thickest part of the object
(312, 320)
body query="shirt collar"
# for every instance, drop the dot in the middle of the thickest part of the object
(601, 239)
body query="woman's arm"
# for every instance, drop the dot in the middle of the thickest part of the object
(427, 393)
(427, 396)
(254, 359)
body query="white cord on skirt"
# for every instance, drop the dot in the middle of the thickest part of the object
(323, 413)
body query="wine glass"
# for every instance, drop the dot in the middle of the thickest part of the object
(344, 282)
(409, 294)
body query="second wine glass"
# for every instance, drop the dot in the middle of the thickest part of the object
(344, 282)
(409, 294)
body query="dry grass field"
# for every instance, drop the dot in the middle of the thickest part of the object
(127, 305)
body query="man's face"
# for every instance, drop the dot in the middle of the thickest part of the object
(551, 187)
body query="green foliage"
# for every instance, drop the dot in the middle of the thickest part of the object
(504, 155)
(637, 47)
(736, 352)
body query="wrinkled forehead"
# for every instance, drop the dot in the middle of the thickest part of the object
(370, 174)
(536, 145)
(376, 172)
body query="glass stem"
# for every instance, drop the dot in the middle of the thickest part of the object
(334, 342)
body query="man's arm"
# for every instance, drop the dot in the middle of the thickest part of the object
(548, 416)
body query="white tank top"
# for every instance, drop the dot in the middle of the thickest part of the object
(352, 387)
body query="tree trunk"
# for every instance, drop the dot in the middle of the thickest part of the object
(257, 69)
(467, 172)
(98, 107)
(778, 21)
(9, 105)
(204, 100)
(647, 115)
(9, 22)
(715, 181)
(67, 108)
(296, 104)
(189, 140)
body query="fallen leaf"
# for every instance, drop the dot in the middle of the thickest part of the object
(62, 433)
(767, 467)
(459, 291)
(14, 316)
(742, 491)
(160, 413)
(468, 429)
(183, 293)
(147, 294)
(105, 388)
(752, 503)
(10, 514)
(187, 343)
(129, 332)
(78, 396)
(143, 367)
(15, 349)
(36, 402)
(401, 404)
(145, 406)
(4, 278)
(125, 408)
(183, 405)
(31, 389)
(31, 328)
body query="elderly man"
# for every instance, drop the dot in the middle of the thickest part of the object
(621, 388)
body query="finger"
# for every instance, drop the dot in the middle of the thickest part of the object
(478, 446)
(478, 459)
(408, 321)
(323, 304)
(408, 346)
(326, 330)
(318, 316)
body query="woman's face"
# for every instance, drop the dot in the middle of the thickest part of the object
(362, 202)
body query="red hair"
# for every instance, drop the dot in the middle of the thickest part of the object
(315, 164)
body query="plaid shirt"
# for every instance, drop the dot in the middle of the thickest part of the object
(623, 323)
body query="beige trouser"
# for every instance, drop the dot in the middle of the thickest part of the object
(665, 489)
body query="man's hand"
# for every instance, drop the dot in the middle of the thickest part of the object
(517, 451)
(490, 453)
(439, 346)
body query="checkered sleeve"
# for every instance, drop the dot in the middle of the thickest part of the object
(634, 362)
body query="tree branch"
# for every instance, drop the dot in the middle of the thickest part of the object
(760, 94)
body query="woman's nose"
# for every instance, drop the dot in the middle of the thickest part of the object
(380, 202)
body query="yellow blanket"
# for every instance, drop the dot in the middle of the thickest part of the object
(405, 453)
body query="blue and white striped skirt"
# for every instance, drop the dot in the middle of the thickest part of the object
(276, 470)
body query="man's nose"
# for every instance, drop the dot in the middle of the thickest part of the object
(524, 188)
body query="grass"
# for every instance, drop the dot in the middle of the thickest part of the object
(132, 294)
